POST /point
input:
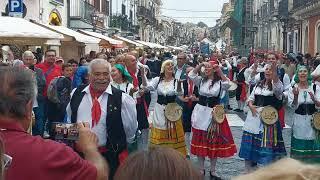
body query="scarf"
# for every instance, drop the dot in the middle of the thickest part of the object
(124, 72)
(135, 79)
(96, 108)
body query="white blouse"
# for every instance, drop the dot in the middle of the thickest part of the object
(302, 125)
(164, 88)
(205, 85)
(125, 86)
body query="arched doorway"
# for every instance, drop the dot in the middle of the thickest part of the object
(306, 40)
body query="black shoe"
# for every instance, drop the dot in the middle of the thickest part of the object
(214, 177)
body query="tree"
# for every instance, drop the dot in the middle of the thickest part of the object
(202, 24)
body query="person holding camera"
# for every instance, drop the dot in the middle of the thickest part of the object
(50, 160)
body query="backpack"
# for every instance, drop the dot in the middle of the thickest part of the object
(57, 91)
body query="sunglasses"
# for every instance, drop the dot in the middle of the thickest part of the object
(7, 160)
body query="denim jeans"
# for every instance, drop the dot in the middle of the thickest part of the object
(39, 113)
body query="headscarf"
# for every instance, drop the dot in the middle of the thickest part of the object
(164, 65)
(296, 77)
(124, 72)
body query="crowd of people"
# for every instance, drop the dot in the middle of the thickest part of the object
(110, 97)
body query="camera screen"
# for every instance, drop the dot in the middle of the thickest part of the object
(65, 131)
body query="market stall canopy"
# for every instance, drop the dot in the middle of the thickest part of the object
(22, 31)
(82, 38)
(129, 41)
(100, 36)
(176, 48)
(152, 45)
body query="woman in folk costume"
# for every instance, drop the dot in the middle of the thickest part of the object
(122, 80)
(241, 92)
(164, 133)
(206, 143)
(262, 143)
(303, 98)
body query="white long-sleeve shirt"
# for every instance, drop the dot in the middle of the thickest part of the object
(128, 114)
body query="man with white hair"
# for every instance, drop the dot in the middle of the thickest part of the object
(111, 114)
(29, 61)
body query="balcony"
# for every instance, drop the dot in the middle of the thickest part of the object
(121, 21)
(146, 14)
(301, 4)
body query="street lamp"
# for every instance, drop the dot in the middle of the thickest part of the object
(94, 19)
(285, 22)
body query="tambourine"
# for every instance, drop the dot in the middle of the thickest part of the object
(269, 115)
(173, 112)
(218, 113)
(316, 121)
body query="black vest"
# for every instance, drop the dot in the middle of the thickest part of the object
(240, 76)
(116, 137)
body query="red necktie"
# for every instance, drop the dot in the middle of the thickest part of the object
(96, 109)
(190, 90)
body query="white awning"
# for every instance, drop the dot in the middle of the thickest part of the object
(78, 36)
(100, 36)
(129, 41)
(175, 48)
(11, 27)
(152, 45)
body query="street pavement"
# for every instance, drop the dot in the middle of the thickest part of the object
(234, 166)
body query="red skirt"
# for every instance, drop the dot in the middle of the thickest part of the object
(220, 146)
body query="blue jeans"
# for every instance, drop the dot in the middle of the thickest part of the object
(39, 113)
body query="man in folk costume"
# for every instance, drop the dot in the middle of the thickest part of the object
(241, 92)
(190, 98)
(143, 100)
(181, 67)
(110, 112)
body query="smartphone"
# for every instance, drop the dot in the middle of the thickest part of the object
(65, 131)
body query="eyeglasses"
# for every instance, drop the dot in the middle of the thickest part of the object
(7, 160)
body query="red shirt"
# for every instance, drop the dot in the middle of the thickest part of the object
(35, 158)
(55, 71)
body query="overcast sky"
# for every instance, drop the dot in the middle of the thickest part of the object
(194, 5)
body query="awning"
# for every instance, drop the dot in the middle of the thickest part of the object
(175, 48)
(22, 31)
(152, 45)
(128, 41)
(76, 35)
(100, 36)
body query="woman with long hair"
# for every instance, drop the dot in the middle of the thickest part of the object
(218, 144)
(162, 133)
(262, 143)
(303, 98)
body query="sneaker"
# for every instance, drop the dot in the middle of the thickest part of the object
(46, 135)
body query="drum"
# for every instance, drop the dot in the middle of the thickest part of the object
(269, 115)
(316, 121)
(218, 114)
(232, 89)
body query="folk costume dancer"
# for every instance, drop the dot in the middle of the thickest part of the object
(111, 114)
(162, 133)
(143, 98)
(190, 98)
(241, 91)
(220, 144)
(303, 98)
(122, 80)
(261, 143)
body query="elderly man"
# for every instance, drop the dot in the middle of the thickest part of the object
(33, 157)
(111, 114)
(143, 99)
(29, 61)
(180, 69)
